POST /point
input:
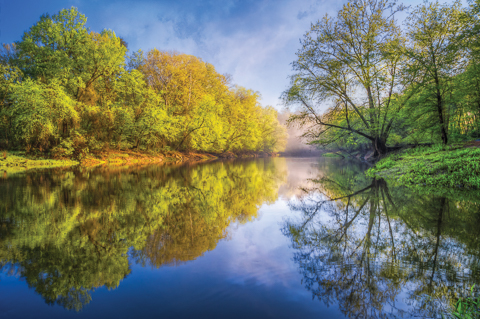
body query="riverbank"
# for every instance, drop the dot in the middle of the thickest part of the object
(131, 157)
(455, 166)
(15, 162)
(333, 154)
(11, 163)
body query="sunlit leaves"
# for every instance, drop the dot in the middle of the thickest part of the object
(351, 64)
(160, 101)
(39, 112)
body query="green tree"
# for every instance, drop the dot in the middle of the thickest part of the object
(38, 112)
(9, 76)
(353, 63)
(68, 91)
(435, 59)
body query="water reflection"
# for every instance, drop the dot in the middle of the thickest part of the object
(67, 233)
(369, 248)
(384, 251)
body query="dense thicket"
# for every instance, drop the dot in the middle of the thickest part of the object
(69, 91)
(362, 81)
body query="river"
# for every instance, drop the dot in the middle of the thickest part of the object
(262, 238)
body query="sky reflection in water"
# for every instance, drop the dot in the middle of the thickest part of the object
(255, 239)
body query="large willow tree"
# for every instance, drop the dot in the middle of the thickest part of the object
(350, 65)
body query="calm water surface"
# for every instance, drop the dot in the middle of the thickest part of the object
(266, 238)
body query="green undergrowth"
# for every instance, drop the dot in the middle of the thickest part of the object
(438, 166)
(465, 308)
(11, 163)
(331, 155)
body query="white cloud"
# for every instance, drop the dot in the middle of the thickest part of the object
(254, 42)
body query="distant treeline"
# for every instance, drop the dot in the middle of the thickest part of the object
(362, 81)
(67, 91)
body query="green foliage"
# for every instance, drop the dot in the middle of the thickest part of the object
(331, 155)
(438, 166)
(435, 60)
(205, 114)
(466, 308)
(69, 91)
(38, 112)
(351, 62)
(386, 85)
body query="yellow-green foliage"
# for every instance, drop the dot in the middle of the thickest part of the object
(362, 82)
(468, 307)
(68, 91)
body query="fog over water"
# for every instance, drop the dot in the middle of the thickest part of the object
(296, 144)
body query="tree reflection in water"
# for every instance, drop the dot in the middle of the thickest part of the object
(381, 251)
(67, 233)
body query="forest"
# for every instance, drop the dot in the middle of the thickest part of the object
(380, 76)
(67, 91)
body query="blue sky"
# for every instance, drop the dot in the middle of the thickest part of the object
(253, 40)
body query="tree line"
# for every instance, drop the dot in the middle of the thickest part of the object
(67, 91)
(363, 81)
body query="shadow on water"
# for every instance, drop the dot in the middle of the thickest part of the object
(380, 250)
(67, 232)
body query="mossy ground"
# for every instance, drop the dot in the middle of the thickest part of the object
(11, 163)
(456, 166)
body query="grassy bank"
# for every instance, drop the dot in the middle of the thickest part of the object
(11, 163)
(332, 155)
(130, 157)
(439, 166)
(15, 162)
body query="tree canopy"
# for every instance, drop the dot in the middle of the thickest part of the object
(361, 78)
(67, 91)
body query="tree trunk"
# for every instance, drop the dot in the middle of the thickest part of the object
(379, 146)
(443, 132)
